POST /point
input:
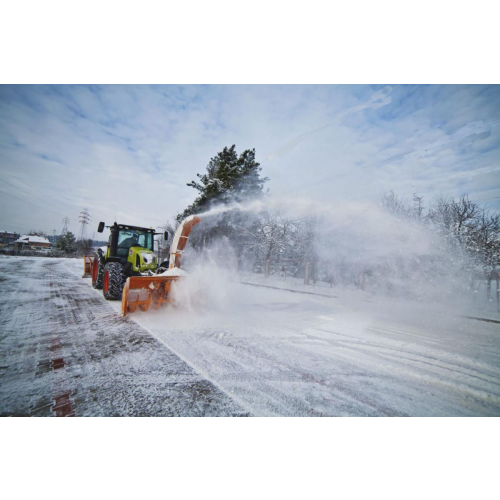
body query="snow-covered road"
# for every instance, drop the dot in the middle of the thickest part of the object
(259, 352)
(65, 351)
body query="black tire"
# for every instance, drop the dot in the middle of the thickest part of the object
(98, 274)
(113, 282)
(162, 267)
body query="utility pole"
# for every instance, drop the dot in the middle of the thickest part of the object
(65, 226)
(84, 221)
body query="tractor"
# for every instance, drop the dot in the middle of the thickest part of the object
(128, 269)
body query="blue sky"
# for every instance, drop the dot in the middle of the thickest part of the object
(128, 151)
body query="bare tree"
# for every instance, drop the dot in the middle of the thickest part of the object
(455, 219)
(271, 235)
(400, 207)
(84, 247)
(418, 206)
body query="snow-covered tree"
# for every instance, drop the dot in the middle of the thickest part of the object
(229, 178)
(403, 208)
(66, 243)
(272, 236)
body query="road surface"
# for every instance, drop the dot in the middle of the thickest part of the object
(237, 351)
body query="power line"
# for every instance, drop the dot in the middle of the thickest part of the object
(17, 165)
(24, 201)
(27, 192)
(32, 187)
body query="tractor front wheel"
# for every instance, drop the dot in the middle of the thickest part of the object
(113, 281)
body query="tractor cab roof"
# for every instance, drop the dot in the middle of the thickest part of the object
(136, 228)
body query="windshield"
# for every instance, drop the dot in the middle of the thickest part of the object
(130, 237)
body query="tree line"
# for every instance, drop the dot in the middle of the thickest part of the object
(463, 232)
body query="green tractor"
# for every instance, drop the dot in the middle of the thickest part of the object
(129, 252)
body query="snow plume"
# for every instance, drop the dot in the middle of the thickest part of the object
(377, 251)
(212, 281)
(256, 205)
(349, 244)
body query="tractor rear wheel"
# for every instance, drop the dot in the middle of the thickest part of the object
(113, 281)
(98, 272)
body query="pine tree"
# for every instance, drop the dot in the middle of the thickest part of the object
(229, 178)
(66, 243)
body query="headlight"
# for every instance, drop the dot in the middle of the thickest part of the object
(148, 258)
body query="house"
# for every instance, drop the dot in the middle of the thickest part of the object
(32, 242)
(8, 237)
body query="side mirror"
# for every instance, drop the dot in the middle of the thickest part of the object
(165, 236)
(100, 229)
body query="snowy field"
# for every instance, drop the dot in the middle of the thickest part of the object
(233, 349)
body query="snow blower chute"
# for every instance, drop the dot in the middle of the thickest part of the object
(128, 268)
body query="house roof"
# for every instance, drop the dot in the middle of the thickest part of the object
(32, 239)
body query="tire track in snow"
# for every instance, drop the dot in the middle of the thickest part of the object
(111, 365)
(289, 368)
(413, 356)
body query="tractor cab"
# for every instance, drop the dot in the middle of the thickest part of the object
(132, 246)
(128, 237)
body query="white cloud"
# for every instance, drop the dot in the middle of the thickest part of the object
(128, 151)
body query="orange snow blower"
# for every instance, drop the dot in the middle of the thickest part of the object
(128, 269)
(145, 291)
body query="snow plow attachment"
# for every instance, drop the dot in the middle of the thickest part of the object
(154, 291)
(145, 291)
(88, 266)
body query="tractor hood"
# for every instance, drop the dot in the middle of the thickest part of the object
(142, 259)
